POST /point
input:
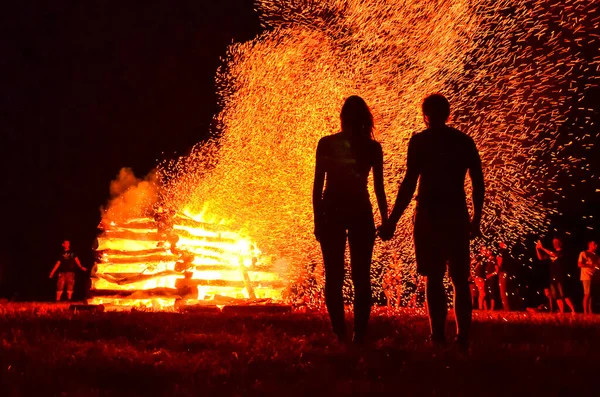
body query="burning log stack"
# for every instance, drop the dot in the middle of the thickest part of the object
(177, 256)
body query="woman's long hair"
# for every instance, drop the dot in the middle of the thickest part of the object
(356, 118)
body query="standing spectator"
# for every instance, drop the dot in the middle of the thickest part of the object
(66, 271)
(544, 259)
(506, 274)
(589, 262)
(390, 288)
(491, 278)
(392, 283)
(480, 280)
(558, 274)
(472, 285)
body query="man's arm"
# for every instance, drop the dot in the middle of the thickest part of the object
(582, 262)
(494, 273)
(79, 264)
(408, 185)
(54, 269)
(551, 254)
(538, 251)
(476, 174)
(318, 190)
(379, 186)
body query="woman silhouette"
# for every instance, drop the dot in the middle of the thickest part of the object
(344, 161)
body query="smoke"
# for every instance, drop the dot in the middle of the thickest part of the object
(130, 197)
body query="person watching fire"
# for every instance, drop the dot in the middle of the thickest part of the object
(589, 263)
(66, 267)
(558, 274)
(439, 159)
(343, 211)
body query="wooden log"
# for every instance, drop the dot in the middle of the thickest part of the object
(177, 219)
(138, 277)
(144, 247)
(132, 294)
(147, 259)
(200, 272)
(256, 309)
(159, 237)
(275, 284)
(185, 307)
(84, 307)
(151, 251)
(131, 235)
(247, 282)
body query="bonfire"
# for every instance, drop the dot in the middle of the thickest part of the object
(178, 257)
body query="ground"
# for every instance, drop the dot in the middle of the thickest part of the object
(50, 350)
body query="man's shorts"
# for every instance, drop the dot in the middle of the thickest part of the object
(439, 246)
(587, 286)
(65, 279)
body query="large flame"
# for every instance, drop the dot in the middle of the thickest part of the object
(507, 67)
(511, 69)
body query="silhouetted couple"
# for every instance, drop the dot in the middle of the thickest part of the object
(439, 158)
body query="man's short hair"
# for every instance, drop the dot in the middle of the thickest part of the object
(436, 107)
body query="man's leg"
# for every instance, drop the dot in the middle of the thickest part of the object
(481, 294)
(436, 306)
(459, 269)
(361, 239)
(60, 286)
(503, 285)
(570, 304)
(586, 295)
(70, 283)
(333, 245)
(548, 294)
(432, 265)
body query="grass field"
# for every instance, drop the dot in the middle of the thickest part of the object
(48, 350)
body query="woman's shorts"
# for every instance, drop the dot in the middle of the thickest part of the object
(557, 289)
(65, 279)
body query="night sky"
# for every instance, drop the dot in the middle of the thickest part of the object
(90, 87)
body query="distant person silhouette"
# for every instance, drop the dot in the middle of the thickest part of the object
(439, 158)
(343, 211)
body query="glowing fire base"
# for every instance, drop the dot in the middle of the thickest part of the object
(177, 258)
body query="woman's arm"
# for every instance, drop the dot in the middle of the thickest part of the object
(379, 186)
(318, 190)
(408, 185)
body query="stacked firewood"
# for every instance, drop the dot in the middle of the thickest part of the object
(173, 255)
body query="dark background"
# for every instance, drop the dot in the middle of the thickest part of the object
(90, 87)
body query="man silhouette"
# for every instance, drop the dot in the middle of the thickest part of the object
(439, 159)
